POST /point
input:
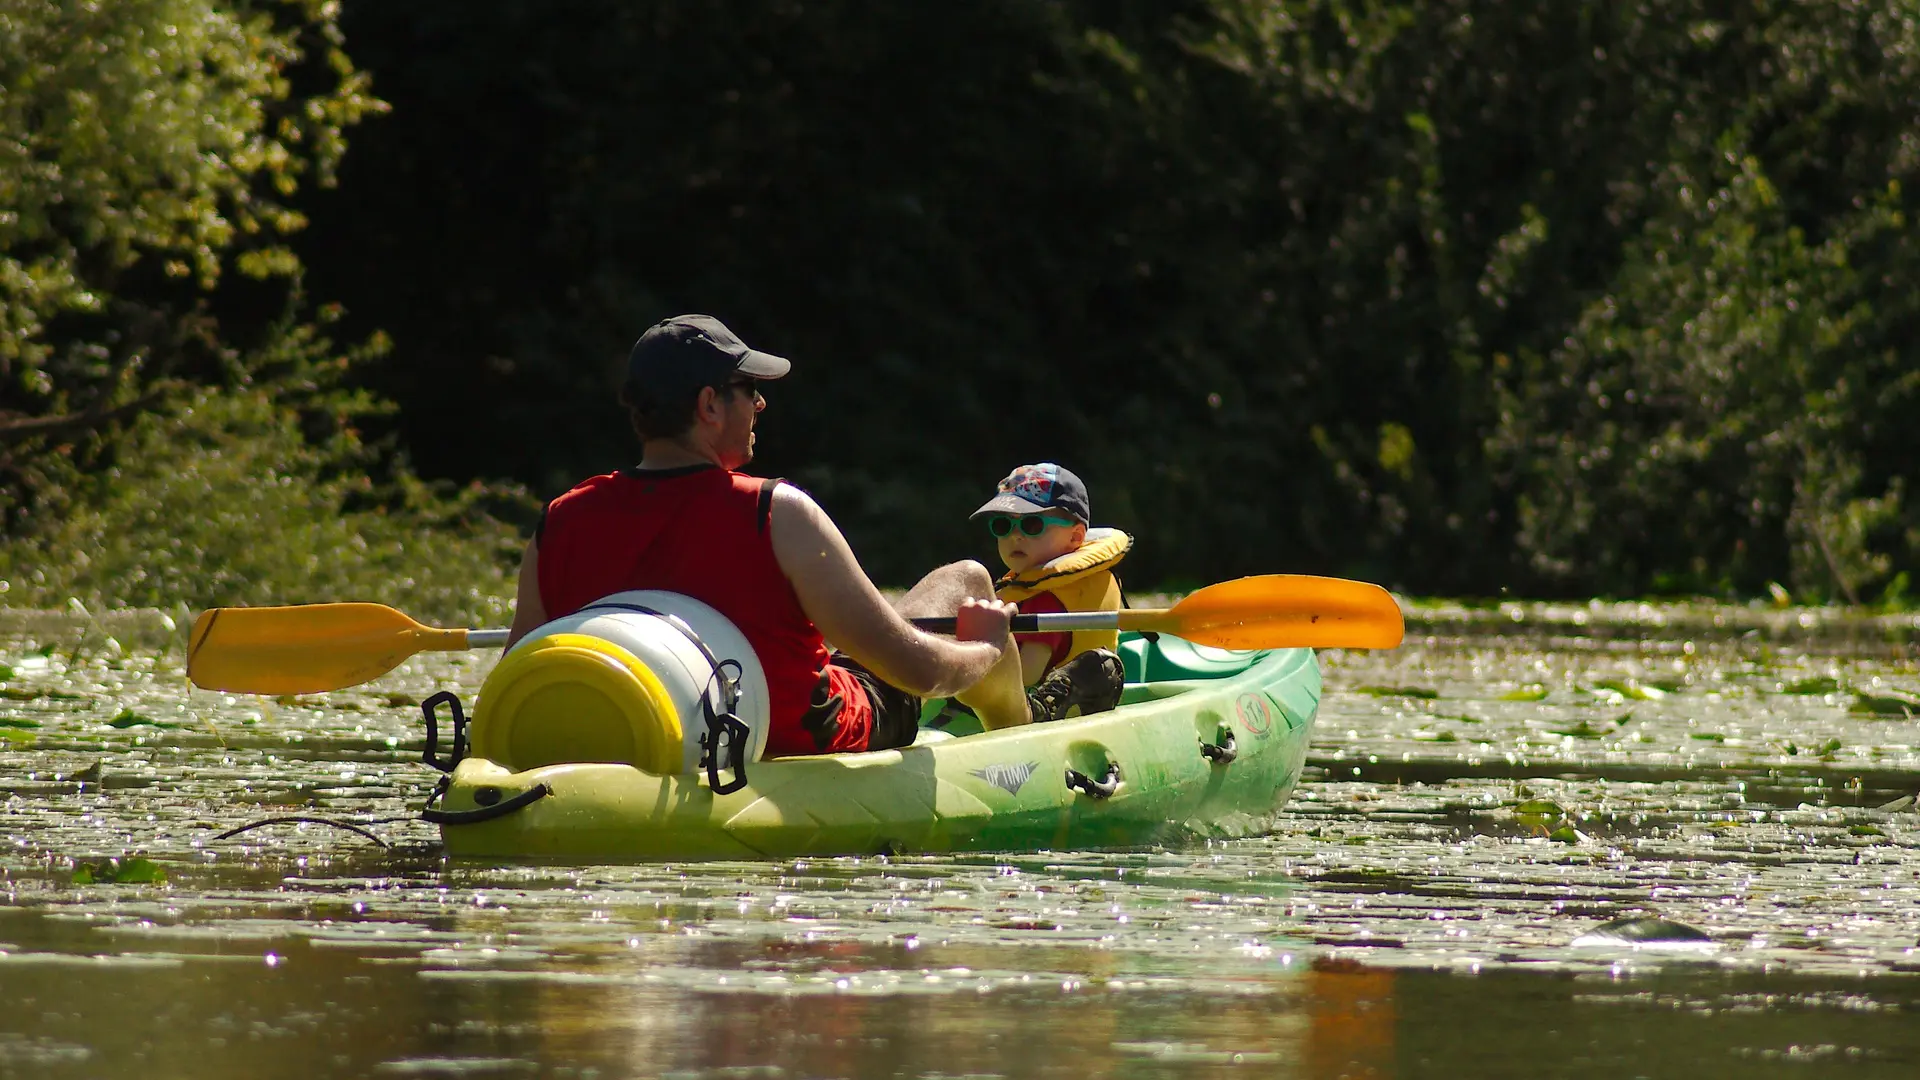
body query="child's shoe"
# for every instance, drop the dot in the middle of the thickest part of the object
(1091, 680)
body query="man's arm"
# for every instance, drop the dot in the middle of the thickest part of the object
(842, 601)
(528, 611)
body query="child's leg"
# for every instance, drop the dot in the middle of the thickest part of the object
(1000, 699)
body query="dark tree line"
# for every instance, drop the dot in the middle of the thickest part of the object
(1552, 297)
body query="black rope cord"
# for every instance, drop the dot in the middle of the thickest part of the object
(298, 819)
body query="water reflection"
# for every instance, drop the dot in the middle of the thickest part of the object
(218, 1006)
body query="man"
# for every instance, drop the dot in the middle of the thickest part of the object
(765, 555)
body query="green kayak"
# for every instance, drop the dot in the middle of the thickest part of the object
(1206, 742)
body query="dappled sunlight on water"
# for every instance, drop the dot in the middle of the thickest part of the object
(1478, 803)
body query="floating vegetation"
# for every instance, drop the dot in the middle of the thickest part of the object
(1631, 689)
(23, 693)
(1420, 692)
(1581, 730)
(128, 871)
(1886, 704)
(127, 718)
(1533, 692)
(1821, 684)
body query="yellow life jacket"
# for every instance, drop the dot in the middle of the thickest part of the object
(1082, 579)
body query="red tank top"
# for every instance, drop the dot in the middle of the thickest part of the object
(703, 532)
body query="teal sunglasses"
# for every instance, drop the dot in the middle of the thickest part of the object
(1028, 524)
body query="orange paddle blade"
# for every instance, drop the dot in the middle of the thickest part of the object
(1273, 611)
(306, 649)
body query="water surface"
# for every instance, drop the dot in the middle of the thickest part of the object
(1480, 801)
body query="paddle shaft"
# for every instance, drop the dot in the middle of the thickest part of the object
(1043, 623)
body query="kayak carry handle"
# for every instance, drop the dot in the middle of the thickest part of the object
(430, 755)
(1222, 752)
(1102, 788)
(487, 813)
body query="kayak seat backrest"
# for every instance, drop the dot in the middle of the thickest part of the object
(1156, 668)
(1158, 691)
(1163, 658)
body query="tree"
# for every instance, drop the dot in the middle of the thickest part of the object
(149, 150)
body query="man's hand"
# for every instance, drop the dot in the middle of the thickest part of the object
(988, 621)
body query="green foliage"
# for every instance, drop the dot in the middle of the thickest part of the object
(172, 433)
(228, 502)
(146, 148)
(1556, 297)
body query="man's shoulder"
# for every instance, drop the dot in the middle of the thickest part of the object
(797, 519)
(589, 489)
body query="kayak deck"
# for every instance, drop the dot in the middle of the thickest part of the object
(1205, 742)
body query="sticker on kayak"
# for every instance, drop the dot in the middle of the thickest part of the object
(1008, 778)
(1256, 714)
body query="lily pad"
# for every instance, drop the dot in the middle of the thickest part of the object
(1631, 689)
(22, 693)
(1820, 684)
(1890, 704)
(1540, 808)
(1526, 693)
(1397, 691)
(128, 718)
(1566, 834)
(18, 722)
(1581, 730)
(1864, 830)
(129, 871)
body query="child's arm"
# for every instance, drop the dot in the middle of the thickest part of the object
(1039, 651)
(1034, 657)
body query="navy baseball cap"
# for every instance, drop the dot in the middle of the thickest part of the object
(678, 356)
(1036, 489)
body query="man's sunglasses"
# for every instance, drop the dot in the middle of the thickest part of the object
(1028, 524)
(749, 387)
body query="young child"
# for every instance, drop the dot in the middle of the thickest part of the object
(1056, 561)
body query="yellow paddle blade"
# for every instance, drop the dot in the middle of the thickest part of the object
(306, 649)
(1280, 611)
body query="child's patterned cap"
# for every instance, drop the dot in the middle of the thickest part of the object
(1035, 489)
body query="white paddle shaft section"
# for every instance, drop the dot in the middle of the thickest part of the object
(1044, 623)
(486, 639)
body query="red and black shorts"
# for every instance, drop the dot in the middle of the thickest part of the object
(851, 701)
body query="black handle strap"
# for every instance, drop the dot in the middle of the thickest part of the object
(431, 754)
(486, 813)
(1102, 788)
